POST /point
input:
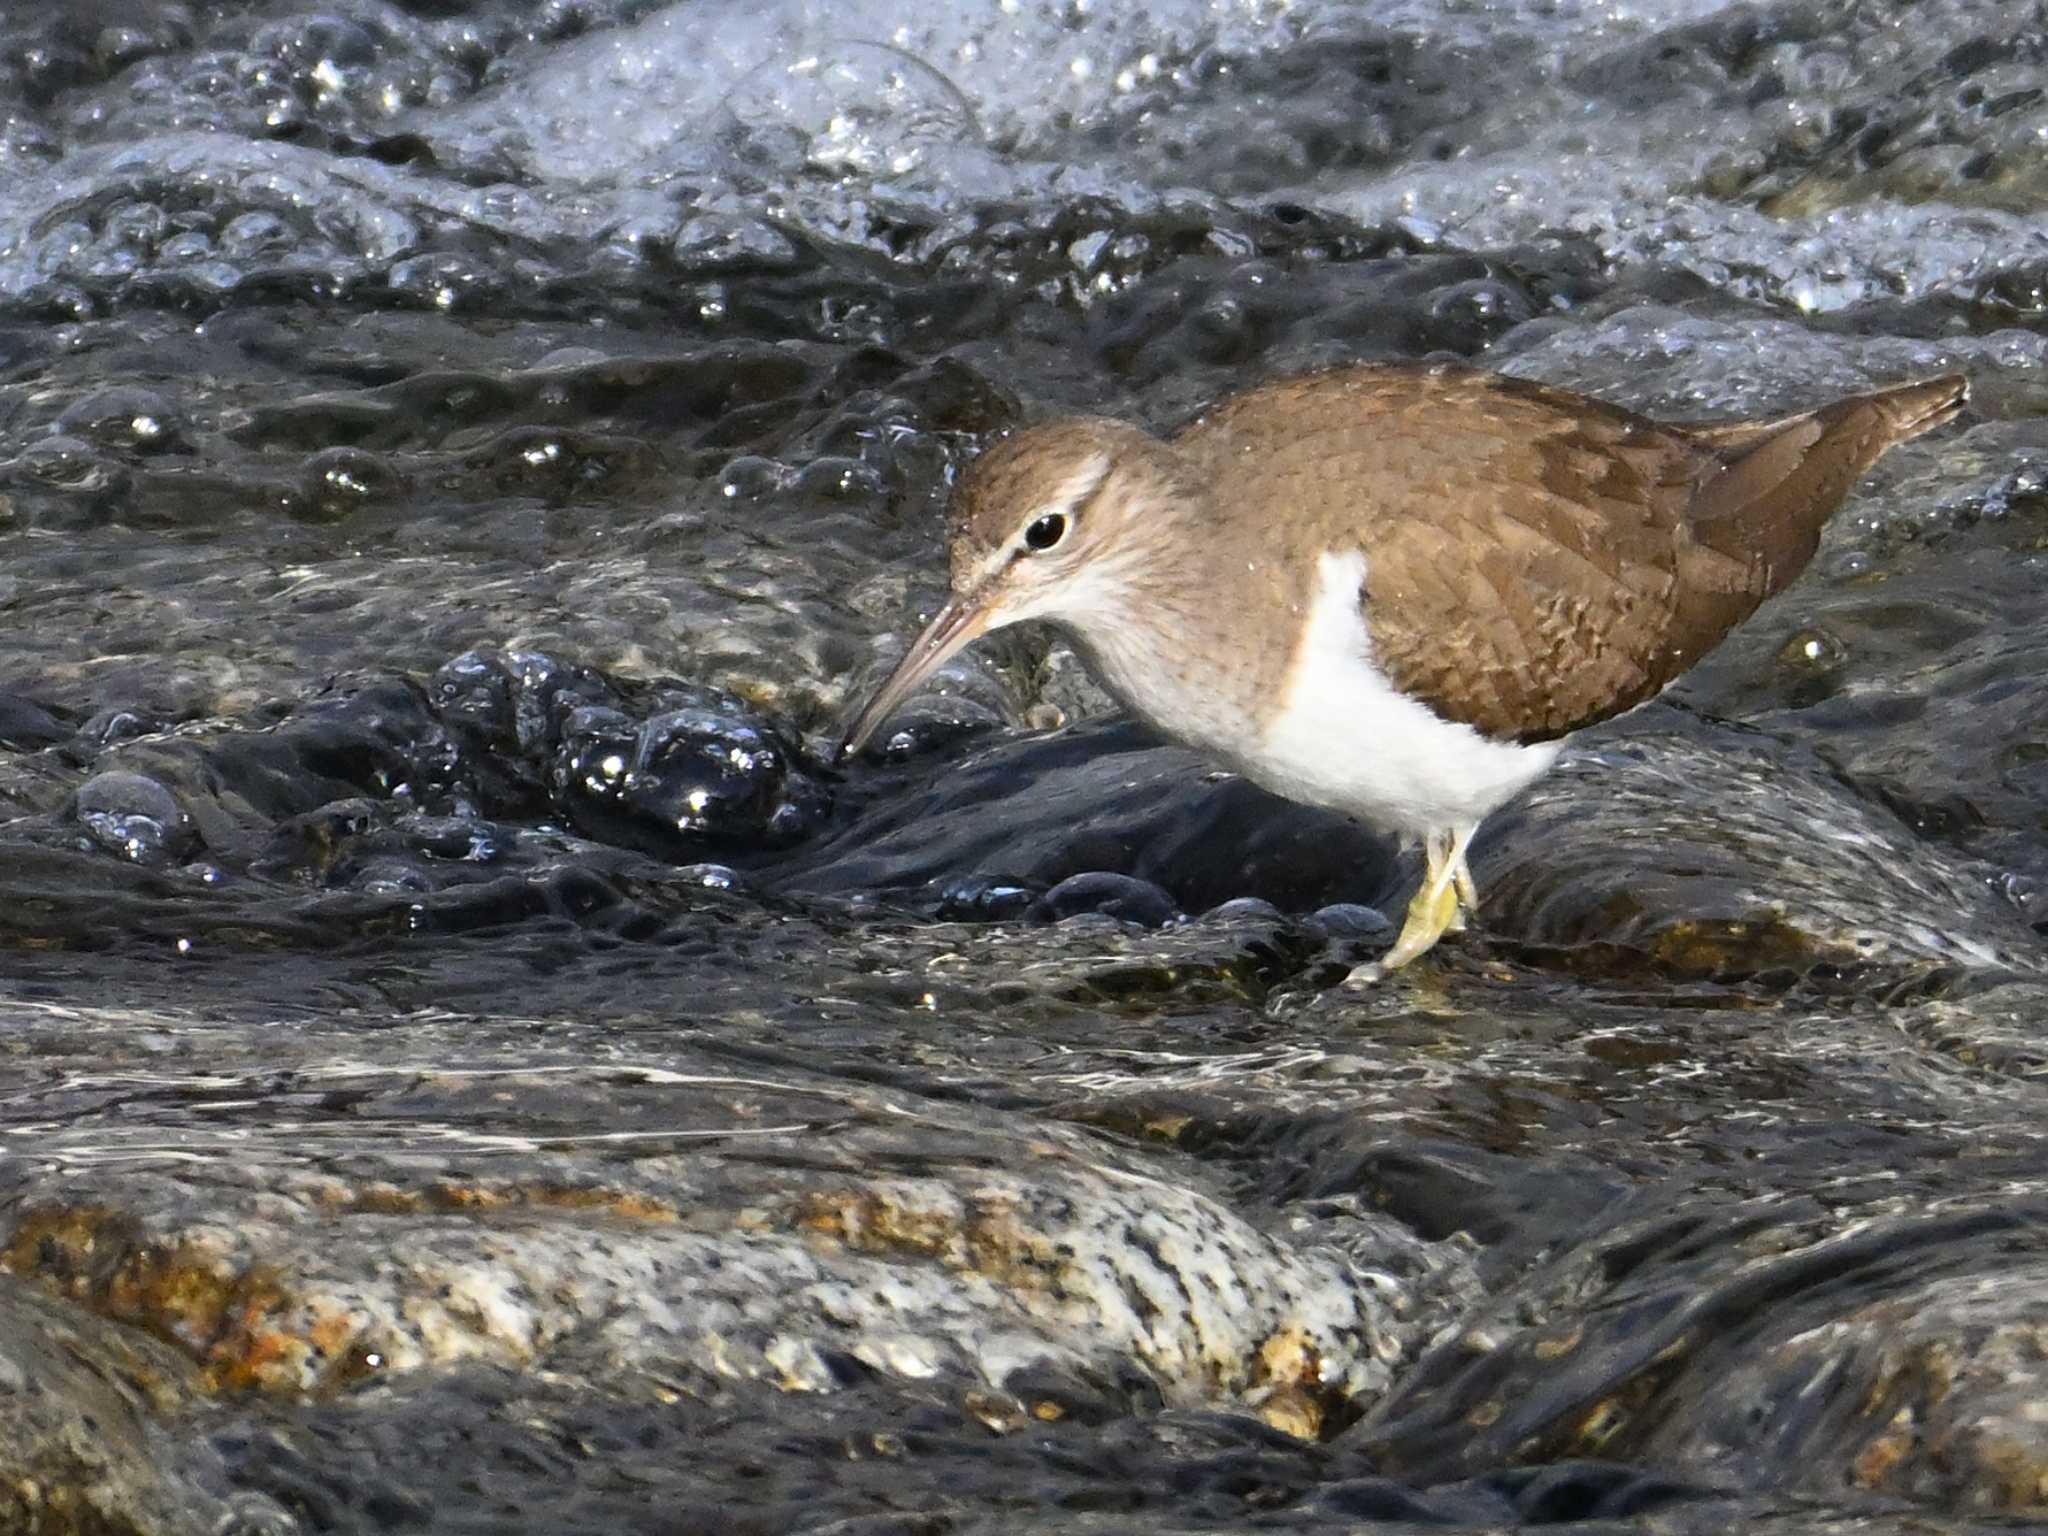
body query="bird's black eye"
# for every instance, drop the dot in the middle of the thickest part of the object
(1046, 532)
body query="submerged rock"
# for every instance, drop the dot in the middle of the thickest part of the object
(713, 1252)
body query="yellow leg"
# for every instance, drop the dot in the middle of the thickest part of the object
(1461, 880)
(1434, 908)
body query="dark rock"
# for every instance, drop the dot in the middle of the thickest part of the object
(315, 843)
(1348, 920)
(116, 725)
(26, 726)
(685, 780)
(81, 1405)
(380, 740)
(1118, 896)
(929, 726)
(1102, 796)
(1243, 908)
(977, 900)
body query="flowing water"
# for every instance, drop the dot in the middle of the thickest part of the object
(470, 1060)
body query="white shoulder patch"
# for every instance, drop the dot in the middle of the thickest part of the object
(1343, 737)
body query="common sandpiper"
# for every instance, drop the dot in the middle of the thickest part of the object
(1396, 590)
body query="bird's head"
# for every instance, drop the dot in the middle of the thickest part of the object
(1068, 521)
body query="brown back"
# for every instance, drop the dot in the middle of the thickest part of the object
(1538, 561)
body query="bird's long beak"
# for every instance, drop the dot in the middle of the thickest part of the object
(960, 621)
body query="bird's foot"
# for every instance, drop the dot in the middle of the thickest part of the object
(1432, 913)
(1364, 978)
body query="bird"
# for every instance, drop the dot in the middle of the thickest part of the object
(1396, 590)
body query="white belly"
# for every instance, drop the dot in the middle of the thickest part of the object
(1343, 738)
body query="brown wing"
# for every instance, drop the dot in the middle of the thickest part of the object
(1538, 561)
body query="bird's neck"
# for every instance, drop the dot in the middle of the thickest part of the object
(1194, 645)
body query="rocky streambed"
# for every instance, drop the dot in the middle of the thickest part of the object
(472, 1060)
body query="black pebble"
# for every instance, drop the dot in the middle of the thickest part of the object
(985, 901)
(1246, 908)
(1118, 896)
(1348, 920)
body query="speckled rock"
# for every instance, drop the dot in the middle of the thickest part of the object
(756, 1233)
(84, 1404)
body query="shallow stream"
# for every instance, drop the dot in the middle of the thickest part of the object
(470, 1061)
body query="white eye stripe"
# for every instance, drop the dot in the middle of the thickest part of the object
(1070, 495)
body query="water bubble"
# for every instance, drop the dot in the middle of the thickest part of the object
(1813, 651)
(751, 478)
(135, 817)
(337, 481)
(67, 464)
(189, 246)
(138, 224)
(849, 108)
(252, 234)
(125, 417)
(437, 280)
(841, 479)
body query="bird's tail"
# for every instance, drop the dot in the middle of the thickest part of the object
(1778, 481)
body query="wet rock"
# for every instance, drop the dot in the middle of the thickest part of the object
(378, 738)
(508, 710)
(83, 1404)
(1348, 920)
(930, 728)
(1607, 861)
(1937, 1403)
(135, 817)
(1106, 797)
(474, 693)
(514, 702)
(1117, 896)
(26, 725)
(953, 1271)
(555, 1164)
(315, 843)
(1077, 1444)
(993, 900)
(1925, 1385)
(458, 777)
(685, 780)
